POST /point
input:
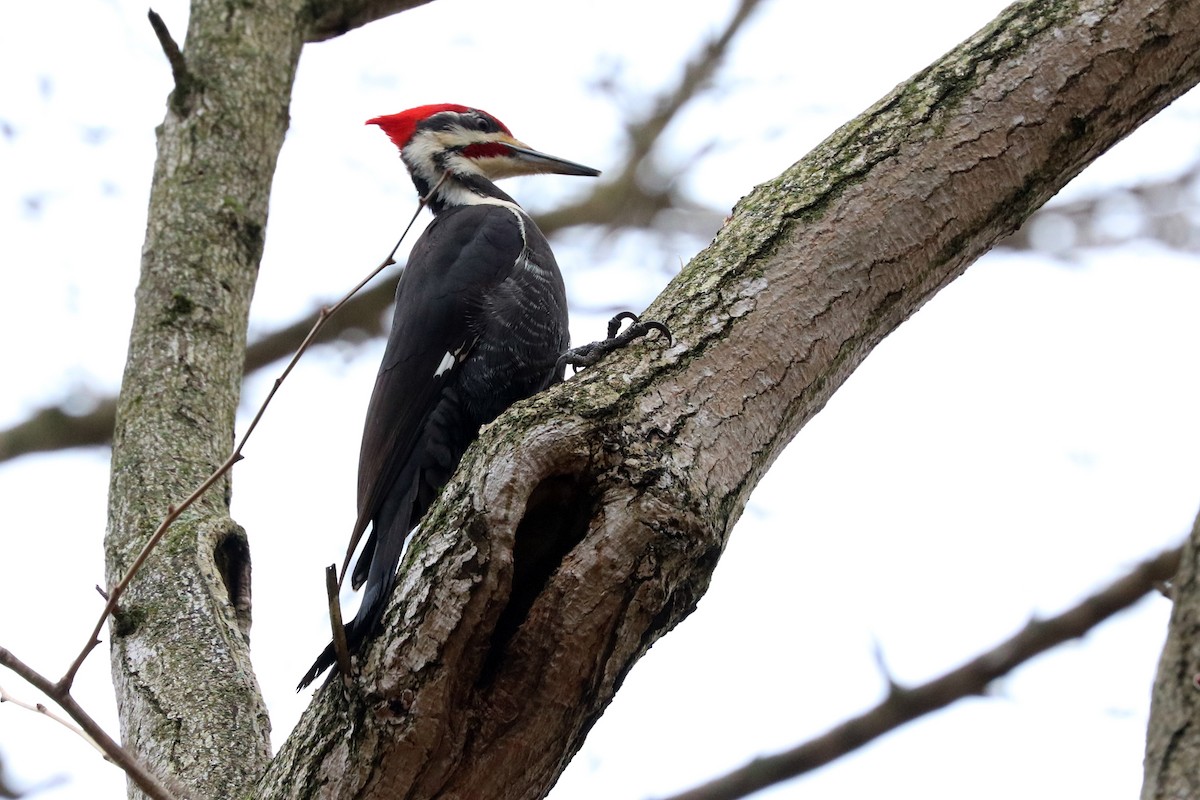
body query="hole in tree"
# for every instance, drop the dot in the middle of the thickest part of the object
(232, 556)
(556, 519)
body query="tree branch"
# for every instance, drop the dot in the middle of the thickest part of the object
(903, 705)
(629, 199)
(1172, 741)
(626, 201)
(181, 97)
(327, 19)
(138, 773)
(637, 470)
(52, 428)
(40, 708)
(180, 651)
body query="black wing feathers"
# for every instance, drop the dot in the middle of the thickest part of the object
(480, 321)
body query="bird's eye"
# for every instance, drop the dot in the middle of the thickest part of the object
(483, 124)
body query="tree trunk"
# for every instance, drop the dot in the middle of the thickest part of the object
(586, 522)
(189, 703)
(1173, 737)
(186, 692)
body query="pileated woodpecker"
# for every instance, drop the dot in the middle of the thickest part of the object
(480, 323)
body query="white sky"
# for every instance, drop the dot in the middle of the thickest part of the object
(1025, 438)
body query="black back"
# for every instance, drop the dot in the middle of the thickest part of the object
(480, 321)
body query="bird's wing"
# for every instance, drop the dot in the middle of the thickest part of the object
(461, 256)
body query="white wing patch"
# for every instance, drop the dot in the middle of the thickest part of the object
(447, 362)
(457, 357)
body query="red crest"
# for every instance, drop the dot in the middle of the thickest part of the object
(400, 127)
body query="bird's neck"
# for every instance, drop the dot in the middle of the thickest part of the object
(447, 188)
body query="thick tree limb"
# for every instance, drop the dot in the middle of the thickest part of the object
(495, 663)
(903, 705)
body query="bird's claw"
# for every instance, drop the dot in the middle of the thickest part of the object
(589, 354)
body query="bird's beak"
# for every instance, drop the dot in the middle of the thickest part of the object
(533, 161)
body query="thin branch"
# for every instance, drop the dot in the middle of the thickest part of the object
(51, 428)
(60, 691)
(620, 202)
(627, 200)
(904, 705)
(340, 647)
(137, 772)
(330, 18)
(184, 82)
(40, 708)
(170, 49)
(174, 512)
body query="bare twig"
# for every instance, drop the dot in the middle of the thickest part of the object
(904, 705)
(170, 48)
(174, 512)
(40, 708)
(627, 199)
(622, 201)
(60, 691)
(340, 648)
(328, 18)
(53, 428)
(181, 97)
(137, 772)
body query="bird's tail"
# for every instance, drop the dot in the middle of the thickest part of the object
(391, 534)
(356, 633)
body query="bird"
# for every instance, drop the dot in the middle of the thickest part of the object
(480, 322)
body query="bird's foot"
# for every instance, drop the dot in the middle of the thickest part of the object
(588, 354)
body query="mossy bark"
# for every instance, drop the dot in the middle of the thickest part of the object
(189, 703)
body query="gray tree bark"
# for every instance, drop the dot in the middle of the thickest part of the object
(188, 700)
(1172, 765)
(586, 522)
